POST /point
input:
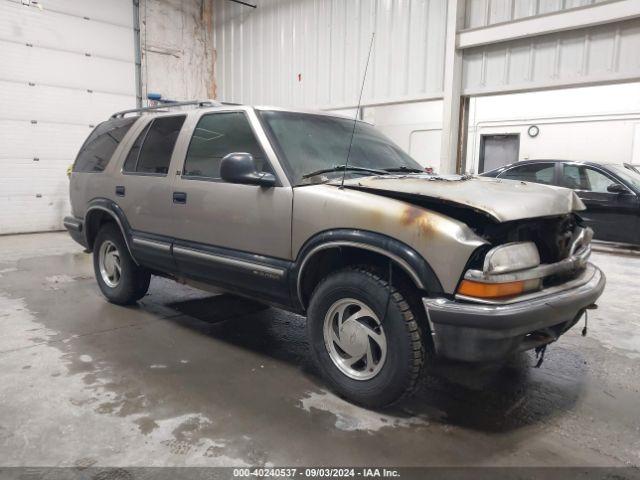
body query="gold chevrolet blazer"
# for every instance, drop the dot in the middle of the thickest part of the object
(326, 217)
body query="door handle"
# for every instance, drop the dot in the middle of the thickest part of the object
(120, 190)
(179, 197)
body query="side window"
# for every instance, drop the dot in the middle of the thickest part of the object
(579, 177)
(151, 152)
(98, 148)
(217, 135)
(536, 173)
(598, 182)
(132, 156)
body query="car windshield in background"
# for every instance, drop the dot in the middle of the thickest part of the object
(314, 143)
(629, 176)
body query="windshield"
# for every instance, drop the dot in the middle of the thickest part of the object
(311, 142)
(631, 177)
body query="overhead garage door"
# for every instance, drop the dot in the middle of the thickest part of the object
(65, 65)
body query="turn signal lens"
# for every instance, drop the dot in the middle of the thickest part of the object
(491, 290)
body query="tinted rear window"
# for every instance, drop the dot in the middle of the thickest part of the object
(99, 147)
(152, 150)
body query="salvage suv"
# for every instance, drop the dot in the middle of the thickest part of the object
(324, 216)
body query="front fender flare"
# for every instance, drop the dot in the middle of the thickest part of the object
(403, 255)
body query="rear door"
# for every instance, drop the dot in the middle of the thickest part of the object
(143, 190)
(233, 235)
(612, 216)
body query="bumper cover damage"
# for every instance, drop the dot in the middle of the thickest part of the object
(478, 332)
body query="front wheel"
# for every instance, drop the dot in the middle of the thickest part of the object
(365, 338)
(119, 278)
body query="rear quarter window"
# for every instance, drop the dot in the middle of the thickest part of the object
(98, 148)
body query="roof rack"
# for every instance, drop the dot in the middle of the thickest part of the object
(197, 103)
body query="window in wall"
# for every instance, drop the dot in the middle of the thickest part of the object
(152, 150)
(217, 135)
(98, 148)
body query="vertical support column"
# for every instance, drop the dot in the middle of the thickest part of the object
(452, 88)
(137, 49)
(463, 135)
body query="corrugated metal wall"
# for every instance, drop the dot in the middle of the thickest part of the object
(606, 53)
(311, 53)
(481, 13)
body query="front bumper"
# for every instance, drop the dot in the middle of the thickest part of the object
(478, 332)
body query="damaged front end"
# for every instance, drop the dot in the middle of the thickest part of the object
(527, 285)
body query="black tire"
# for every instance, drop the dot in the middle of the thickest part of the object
(133, 281)
(405, 352)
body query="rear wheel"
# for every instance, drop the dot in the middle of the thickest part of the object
(365, 338)
(119, 278)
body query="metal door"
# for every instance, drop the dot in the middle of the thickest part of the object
(497, 151)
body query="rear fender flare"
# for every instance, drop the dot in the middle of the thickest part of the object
(112, 209)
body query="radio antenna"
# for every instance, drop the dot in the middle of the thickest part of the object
(355, 120)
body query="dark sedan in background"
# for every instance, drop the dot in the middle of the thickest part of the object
(610, 192)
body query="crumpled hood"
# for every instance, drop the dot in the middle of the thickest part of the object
(503, 200)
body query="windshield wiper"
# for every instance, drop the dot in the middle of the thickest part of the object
(338, 168)
(404, 168)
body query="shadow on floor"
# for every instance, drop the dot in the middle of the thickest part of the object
(489, 398)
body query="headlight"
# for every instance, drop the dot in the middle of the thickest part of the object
(511, 257)
(508, 258)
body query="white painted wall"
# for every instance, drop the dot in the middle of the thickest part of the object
(416, 127)
(599, 124)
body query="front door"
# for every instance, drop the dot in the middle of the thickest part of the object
(612, 216)
(233, 235)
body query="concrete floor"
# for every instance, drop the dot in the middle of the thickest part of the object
(187, 378)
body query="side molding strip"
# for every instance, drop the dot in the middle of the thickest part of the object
(165, 247)
(365, 246)
(254, 267)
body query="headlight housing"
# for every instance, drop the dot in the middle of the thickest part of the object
(511, 257)
(501, 260)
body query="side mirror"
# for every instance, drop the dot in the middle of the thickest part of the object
(617, 188)
(241, 168)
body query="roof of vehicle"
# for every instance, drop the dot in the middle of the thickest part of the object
(551, 160)
(214, 105)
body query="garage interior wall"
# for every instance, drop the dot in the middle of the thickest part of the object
(177, 49)
(312, 54)
(64, 68)
(597, 123)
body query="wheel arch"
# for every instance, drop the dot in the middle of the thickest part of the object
(342, 247)
(101, 211)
